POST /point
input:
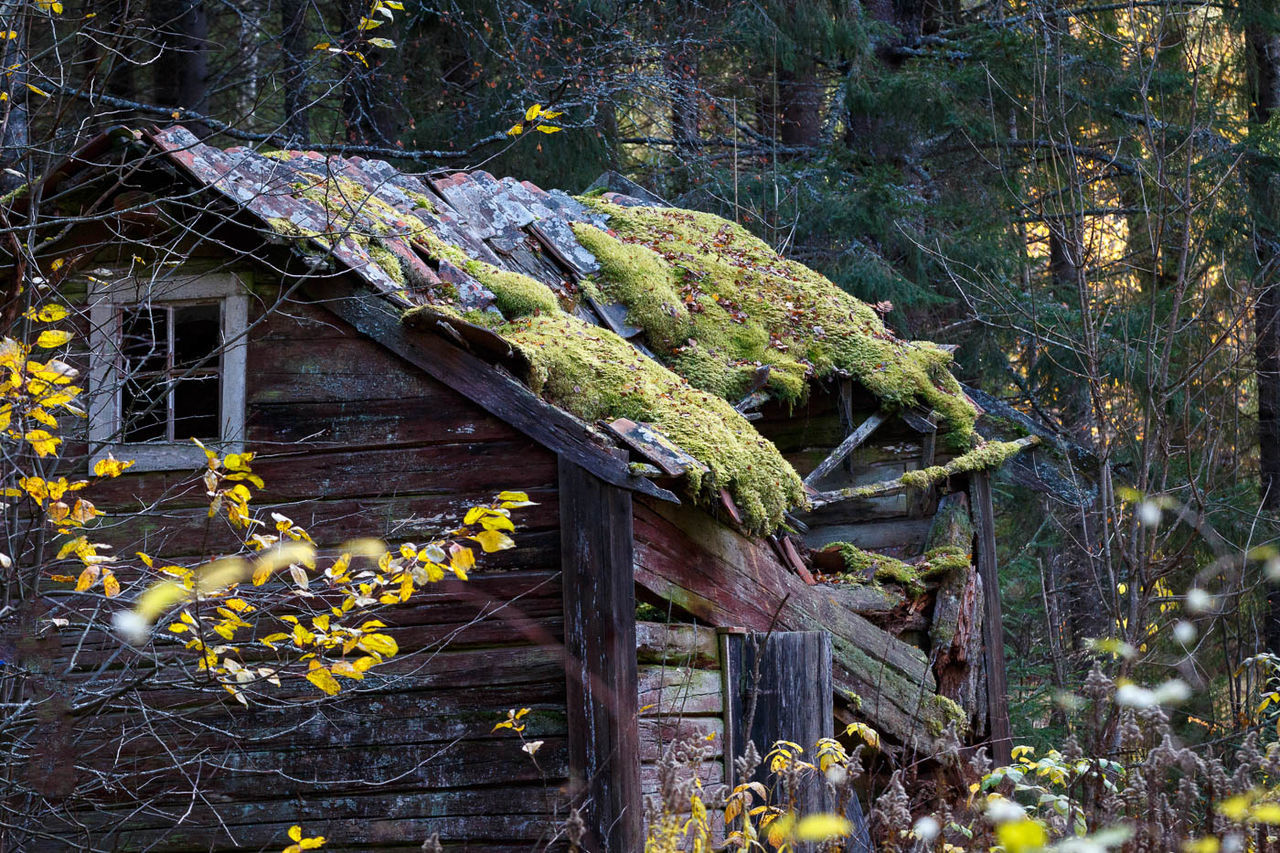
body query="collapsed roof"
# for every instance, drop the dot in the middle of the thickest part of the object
(608, 308)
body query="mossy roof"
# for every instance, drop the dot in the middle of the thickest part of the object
(708, 311)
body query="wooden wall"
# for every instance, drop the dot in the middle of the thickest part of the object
(351, 441)
(681, 699)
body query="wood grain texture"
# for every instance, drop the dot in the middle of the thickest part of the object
(600, 652)
(997, 683)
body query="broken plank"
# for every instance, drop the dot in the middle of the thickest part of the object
(650, 443)
(859, 435)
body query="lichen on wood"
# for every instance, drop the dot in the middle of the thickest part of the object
(717, 303)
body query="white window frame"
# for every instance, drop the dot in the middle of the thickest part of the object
(107, 299)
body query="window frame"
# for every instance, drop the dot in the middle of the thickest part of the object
(107, 301)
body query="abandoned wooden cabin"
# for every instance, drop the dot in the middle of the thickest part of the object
(711, 432)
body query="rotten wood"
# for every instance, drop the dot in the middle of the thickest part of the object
(600, 650)
(859, 435)
(957, 598)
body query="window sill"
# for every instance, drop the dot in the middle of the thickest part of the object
(164, 456)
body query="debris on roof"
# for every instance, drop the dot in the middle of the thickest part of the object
(610, 307)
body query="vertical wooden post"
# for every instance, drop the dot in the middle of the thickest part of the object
(600, 659)
(992, 625)
(785, 677)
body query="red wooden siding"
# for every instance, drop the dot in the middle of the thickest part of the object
(351, 441)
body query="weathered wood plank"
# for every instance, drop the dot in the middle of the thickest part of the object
(779, 688)
(859, 435)
(657, 734)
(600, 651)
(677, 643)
(993, 624)
(650, 443)
(903, 535)
(678, 691)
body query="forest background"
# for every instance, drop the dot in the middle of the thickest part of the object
(1082, 196)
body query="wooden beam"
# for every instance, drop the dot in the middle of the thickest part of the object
(988, 570)
(600, 651)
(897, 486)
(493, 390)
(859, 435)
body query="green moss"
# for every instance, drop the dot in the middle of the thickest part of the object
(516, 295)
(747, 306)
(993, 454)
(289, 228)
(944, 560)
(15, 194)
(938, 711)
(441, 250)
(646, 612)
(597, 375)
(388, 260)
(862, 564)
(422, 201)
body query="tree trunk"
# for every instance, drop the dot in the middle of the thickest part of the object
(182, 69)
(15, 125)
(1264, 50)
(800, 123)
(293, 38)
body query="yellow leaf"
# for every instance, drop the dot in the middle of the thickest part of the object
(515, 129)
(42, 442)
(462, 561)
(110, 585)
(86, 579)
(321, 678)
(379, 644)
(546, 128)
(821, 827)
(51, 338)
(346, 670)
(385, 44)
(53, 312)
(1022, 836)
(324, 45)
(41, 92)
(1234, 808)
(1267, 813)
(551, 114)
(497, 522)
(533, 112)
(494, 540)
(780, 829)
